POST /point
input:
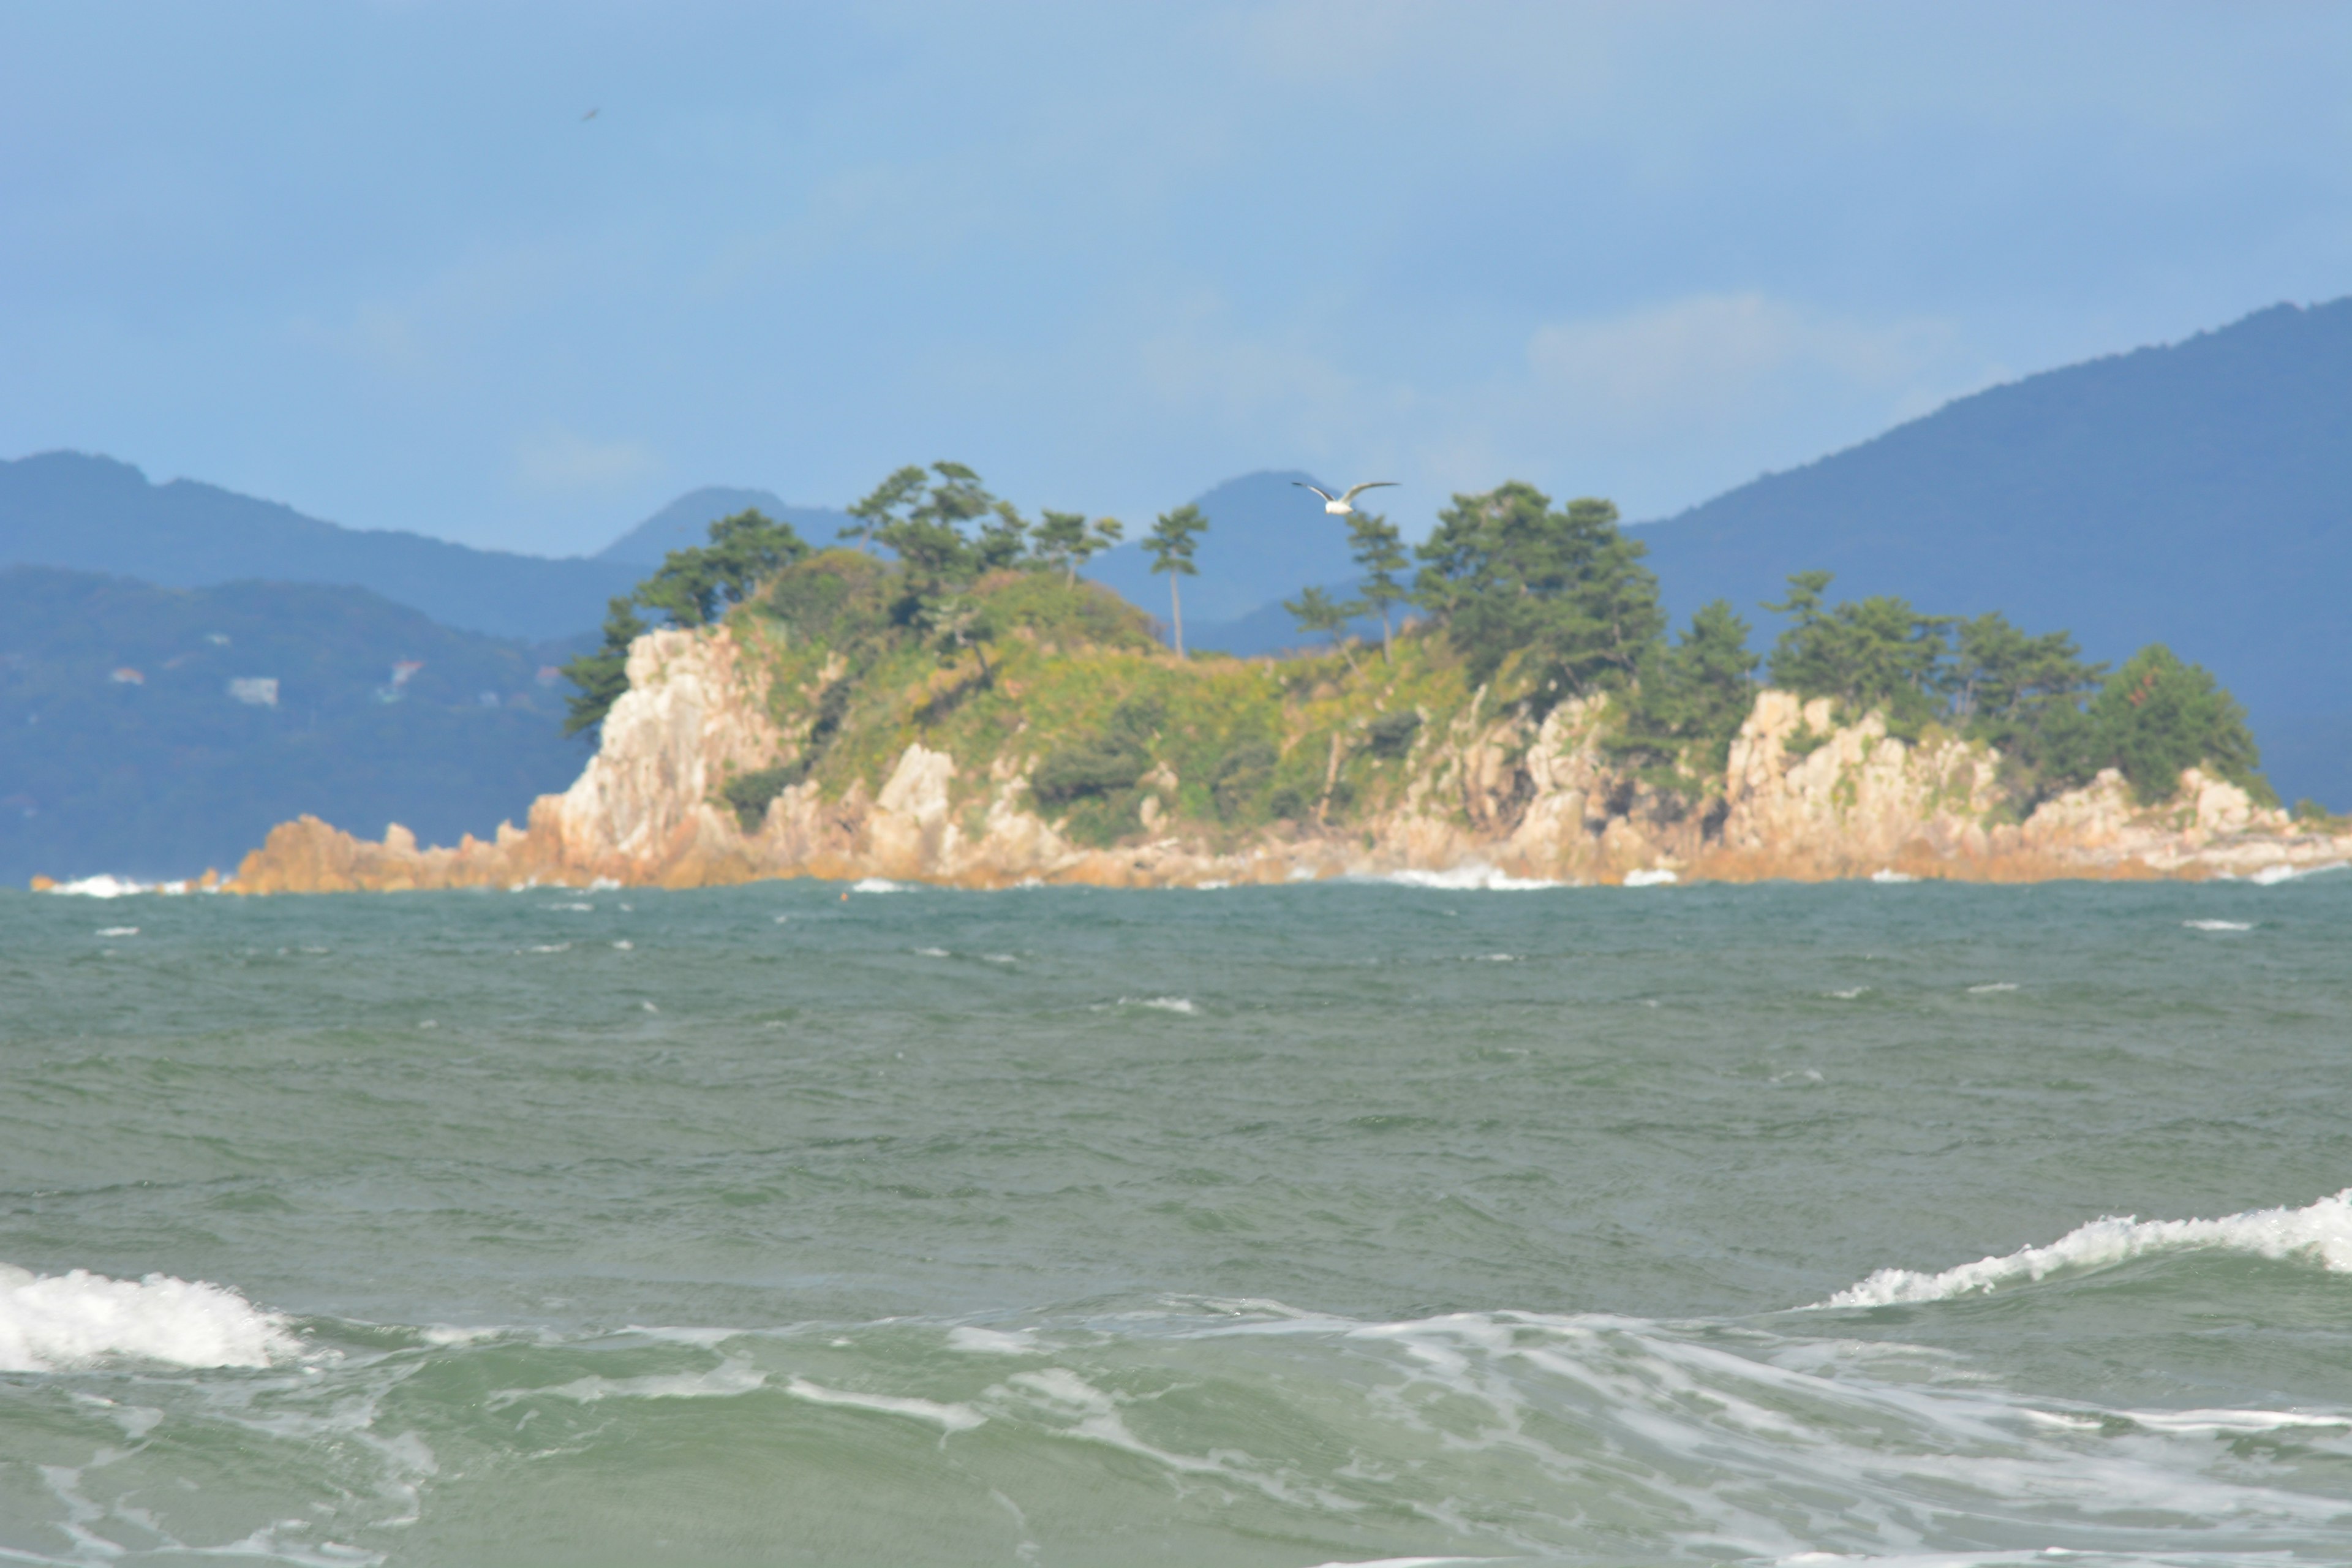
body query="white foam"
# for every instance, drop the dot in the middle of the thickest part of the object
(949, 1418)
(102, 887)
(1888, 875)
(1655, 877)
(2218, 925)
(1848, 995)
(2270, 876)
(624, 945)
(1987, 990)
(550, 947)
(975, 1341)
(119, 930)
(1165, 1004)
(2321, 1234)
(1470, 877)
(880, 885)
(932, 952)
(50, 1322)
(604, 884)
(725, 1380)
(575, 909)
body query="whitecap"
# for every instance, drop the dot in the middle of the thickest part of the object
(950, 1417)
(2270, 876)
(575, 909)
(624, 945)
(1992, 986)
(604, 884)
(102, 887)
(880, 885)
(1210, 887)
(975, 1341)
(53, 1321)
(1888, 874)
(119, 930)
(1469, 876)
(1848, 995)
(1655, 877)
(932, 952)
(1164, 1003)
(2321, 1234)
(550, 947)
(2218, 925)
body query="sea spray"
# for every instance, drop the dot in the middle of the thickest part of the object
(75, 1318)
(2320, 1233)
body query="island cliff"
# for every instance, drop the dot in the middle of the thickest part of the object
(752, 747)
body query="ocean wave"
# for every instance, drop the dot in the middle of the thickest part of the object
(2321, 1234)
(1464, 878)
(2218, 925)
(55, 1322)
(880, 885)
(1889, 875)
(1459, 1437)
(1161, 1004)
(2271, 876)
(106, 887)
(1655, 877)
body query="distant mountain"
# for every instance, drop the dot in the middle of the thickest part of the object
(93, 513)
(2198, 494)
(1266, 540)
(687, 520)
(153, 731)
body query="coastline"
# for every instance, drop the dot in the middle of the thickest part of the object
(1488, 793)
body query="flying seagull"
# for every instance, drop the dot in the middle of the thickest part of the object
(591, 114)
(1341, 505)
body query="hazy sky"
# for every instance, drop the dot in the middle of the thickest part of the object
(371, 259)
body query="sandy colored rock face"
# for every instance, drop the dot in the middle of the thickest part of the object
(1802, 798)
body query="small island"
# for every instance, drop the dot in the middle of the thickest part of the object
(967, 710)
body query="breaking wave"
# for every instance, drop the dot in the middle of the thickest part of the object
(1471, 878)
(53, 1322)
(2321, 1234)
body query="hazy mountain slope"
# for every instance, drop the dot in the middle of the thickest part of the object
(686, 520)
(1266, 540)
(2198, 494)
(164, 774)
(91, 514)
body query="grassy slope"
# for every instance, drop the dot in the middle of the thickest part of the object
(1075, 678)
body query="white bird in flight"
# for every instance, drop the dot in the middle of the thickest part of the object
(1341, 505)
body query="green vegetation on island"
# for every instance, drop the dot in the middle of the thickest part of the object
(976, 635)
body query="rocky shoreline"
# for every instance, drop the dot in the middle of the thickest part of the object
(1488, 793)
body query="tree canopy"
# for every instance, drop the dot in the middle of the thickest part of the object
(693, 587)
(1566, 589)
(1379, 552)
(1174, 536)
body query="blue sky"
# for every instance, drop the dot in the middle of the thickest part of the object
(371, 259)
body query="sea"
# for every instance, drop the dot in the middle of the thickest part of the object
(1442, 1220)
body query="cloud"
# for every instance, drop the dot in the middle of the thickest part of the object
(555, 458)
(1713, 360)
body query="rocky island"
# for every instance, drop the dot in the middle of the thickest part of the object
(972, 713)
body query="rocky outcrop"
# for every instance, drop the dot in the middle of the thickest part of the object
(1487, 792)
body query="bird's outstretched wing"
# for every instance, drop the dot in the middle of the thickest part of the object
(1318, 489)
(1355, 491)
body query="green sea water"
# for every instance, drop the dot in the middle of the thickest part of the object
(1339, 1223)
